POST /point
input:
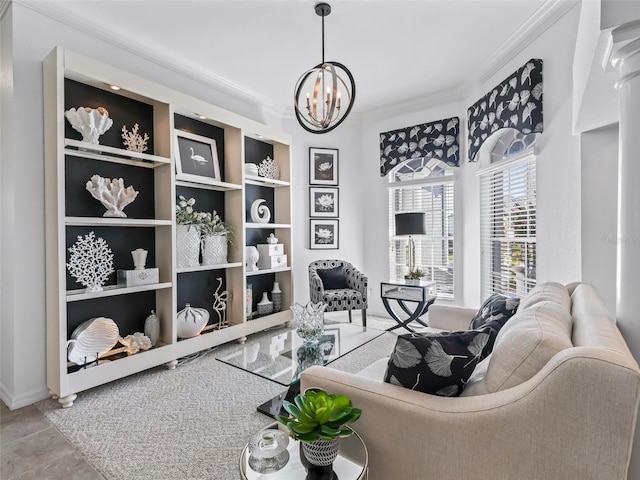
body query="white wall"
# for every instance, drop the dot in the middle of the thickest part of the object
(599, 201)
(558, 174)
(346, 139)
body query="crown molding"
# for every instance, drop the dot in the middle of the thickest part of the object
(543, 18)
(127, 43)
(4, 6)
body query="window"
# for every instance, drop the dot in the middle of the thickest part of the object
(508, 216)
(424, 185)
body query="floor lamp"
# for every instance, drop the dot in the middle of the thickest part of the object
(410, 224)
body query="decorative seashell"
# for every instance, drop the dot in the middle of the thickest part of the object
(191, 321)
(260, 213)
(111, 194)
(90, 122)
(136, 342)
(91, 339)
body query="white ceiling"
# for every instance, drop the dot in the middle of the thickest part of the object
(398, 51)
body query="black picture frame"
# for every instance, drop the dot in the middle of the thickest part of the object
(324, 234)
(324, 202)
(196, 158)
(323, 166)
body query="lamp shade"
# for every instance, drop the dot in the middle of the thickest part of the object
(410, 223)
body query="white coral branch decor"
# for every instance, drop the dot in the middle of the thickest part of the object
(112, 194)
(90, 122)
(269, 169)
(91, 262)
(136, 342)
(133, 141)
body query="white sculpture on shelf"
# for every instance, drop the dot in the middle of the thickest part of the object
(136, 342)
(220, 304)
(252, 258)
(112, 194)
(90, 122)
(268, 169)
(133, 141)
(260, 213)
(91, 262)
(139, 258)
(92, 339)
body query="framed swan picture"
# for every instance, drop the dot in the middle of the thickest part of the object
(323, 166)
(196, 158)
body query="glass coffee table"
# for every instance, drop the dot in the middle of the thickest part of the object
(280, 355)
(351, 464)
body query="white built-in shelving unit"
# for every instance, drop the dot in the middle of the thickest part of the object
(73, 80)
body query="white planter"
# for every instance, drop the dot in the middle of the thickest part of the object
(214, 249)
(187, 246)
(321, 452)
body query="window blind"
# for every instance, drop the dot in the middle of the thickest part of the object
(508, 226)
(434, 251)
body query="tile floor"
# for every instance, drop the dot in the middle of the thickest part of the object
(33, 449)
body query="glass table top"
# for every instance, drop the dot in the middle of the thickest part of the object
(279, 354)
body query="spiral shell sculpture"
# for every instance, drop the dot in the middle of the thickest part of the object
(260, 213)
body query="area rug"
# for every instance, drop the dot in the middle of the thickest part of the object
(190, 423)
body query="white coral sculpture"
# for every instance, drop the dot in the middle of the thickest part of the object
(91, 262)
(136, 342)
(133, 141)
(112, 194)
(268, 169)
(90, 122)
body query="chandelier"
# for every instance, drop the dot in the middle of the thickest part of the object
(321, 93)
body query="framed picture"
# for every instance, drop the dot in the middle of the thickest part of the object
(323, 166)
(323, 202)
(196, 158)
(323, 234)
(329, 343)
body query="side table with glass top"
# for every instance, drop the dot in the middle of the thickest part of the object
(352, 462)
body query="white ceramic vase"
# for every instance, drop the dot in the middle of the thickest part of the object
(276, 296)
(321, 452)
(191, 321)
(187, 246)
(139, 258)
(214, 249)
(265, 306)
(152, 328)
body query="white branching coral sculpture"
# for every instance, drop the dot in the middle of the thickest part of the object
(136, 342)
(112, 194)
(133, 141)
(91, 262)
(269, 169)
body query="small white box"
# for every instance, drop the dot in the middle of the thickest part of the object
(274, 261)
(270, 249)
(134, 278)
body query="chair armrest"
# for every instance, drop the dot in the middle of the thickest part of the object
(316, 288)
(446, 317)
(358, 281)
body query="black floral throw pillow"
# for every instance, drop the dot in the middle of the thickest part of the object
(436, 363)
(497, 307)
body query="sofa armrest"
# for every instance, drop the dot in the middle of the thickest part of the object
(532, 431)
(446, 317)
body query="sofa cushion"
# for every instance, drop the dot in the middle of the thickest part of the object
(436, 363)
(547, 292)
(526, 343)
(496, 307)
(333, 278)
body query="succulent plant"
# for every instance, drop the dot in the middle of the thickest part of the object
(317, 414)
(416, 274)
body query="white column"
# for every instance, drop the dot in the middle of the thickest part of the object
(626, 59)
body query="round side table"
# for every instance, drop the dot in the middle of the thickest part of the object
(352, 462)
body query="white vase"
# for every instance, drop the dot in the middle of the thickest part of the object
(214, 249)
(191, 321)
(265, 306)
(321, 452)
(276, 296)
(152, 328)
(139, 258)
(187, 246)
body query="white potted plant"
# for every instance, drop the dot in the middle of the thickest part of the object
(216, 235)
(188, 233)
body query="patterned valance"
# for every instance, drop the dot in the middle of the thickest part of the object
(431, 140)
(515, 103)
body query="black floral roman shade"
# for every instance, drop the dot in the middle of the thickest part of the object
(515, 103)
(431, 140)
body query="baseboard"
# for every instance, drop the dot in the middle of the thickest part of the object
(14, 402)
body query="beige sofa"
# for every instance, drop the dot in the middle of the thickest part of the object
(557, 399)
